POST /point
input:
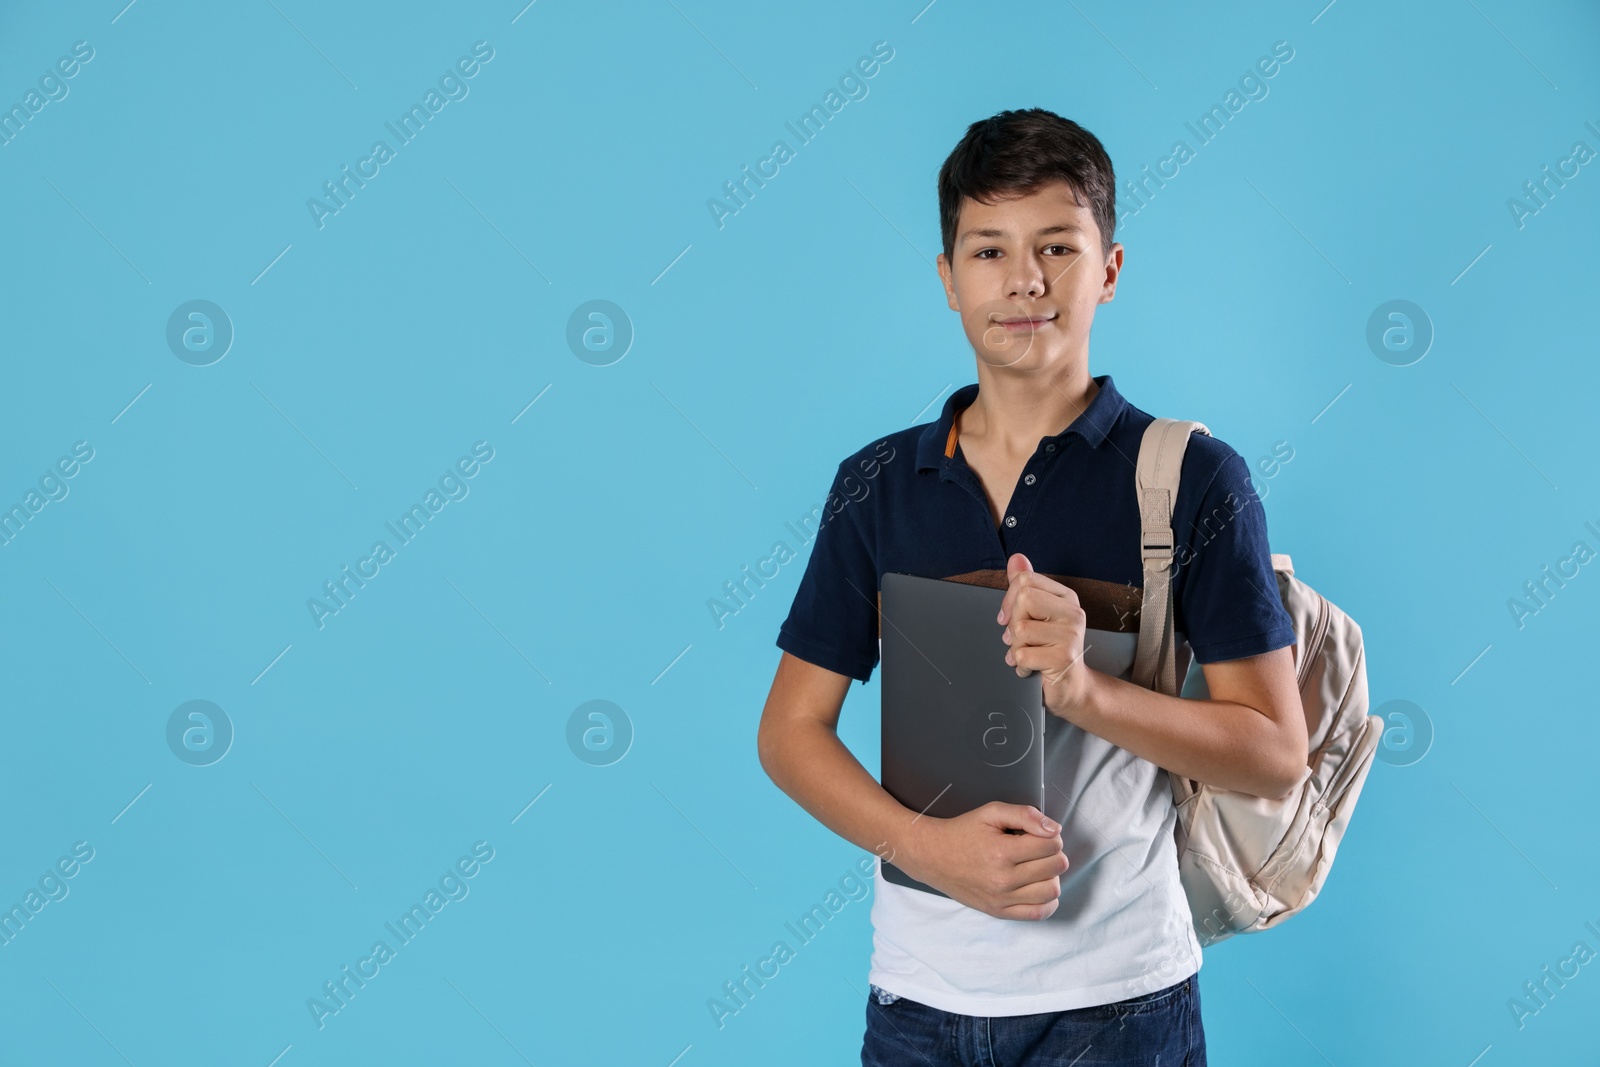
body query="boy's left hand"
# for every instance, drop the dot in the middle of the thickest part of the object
(1044, 625)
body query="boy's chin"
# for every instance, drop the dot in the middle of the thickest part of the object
(1026, 352)
(1000, 348)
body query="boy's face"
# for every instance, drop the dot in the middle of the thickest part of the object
(1026, 274)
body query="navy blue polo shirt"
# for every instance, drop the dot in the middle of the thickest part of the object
(909, 503)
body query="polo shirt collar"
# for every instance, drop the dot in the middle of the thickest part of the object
(1092, 424)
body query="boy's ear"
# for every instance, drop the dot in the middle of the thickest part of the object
(943, 262)
(1113, 269)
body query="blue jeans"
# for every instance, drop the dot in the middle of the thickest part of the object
(1160, 1029)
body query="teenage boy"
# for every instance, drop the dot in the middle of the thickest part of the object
(1073, 934)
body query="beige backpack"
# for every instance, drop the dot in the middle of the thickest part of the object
(1249, 863)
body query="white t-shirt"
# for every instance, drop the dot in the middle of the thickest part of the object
(1122, 926)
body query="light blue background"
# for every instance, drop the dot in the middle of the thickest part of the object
(429, 312)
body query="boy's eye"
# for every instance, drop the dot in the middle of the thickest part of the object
(1055, 250)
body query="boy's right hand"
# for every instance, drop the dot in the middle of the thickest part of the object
(972, 859)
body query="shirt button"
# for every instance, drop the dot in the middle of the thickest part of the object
(1011, 520)
(1050, 447)
(1029, 480)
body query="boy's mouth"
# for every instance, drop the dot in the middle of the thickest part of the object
(1024, 325)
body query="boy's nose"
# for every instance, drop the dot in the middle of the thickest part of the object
(1027, 283)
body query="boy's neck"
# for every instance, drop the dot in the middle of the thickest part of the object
(1013, 411)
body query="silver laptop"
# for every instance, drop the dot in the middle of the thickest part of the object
(960, 728)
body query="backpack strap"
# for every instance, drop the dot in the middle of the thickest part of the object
(1156, 478)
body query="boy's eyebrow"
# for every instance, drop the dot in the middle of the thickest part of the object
(1066, 227)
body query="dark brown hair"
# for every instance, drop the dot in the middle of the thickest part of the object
(1016, 152)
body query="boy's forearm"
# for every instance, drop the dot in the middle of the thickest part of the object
(1217, 742)
(809, 763)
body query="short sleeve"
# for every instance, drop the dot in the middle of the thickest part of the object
(833, 622)
(1225, 591)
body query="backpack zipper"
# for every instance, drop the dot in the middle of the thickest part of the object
(1319, 632)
